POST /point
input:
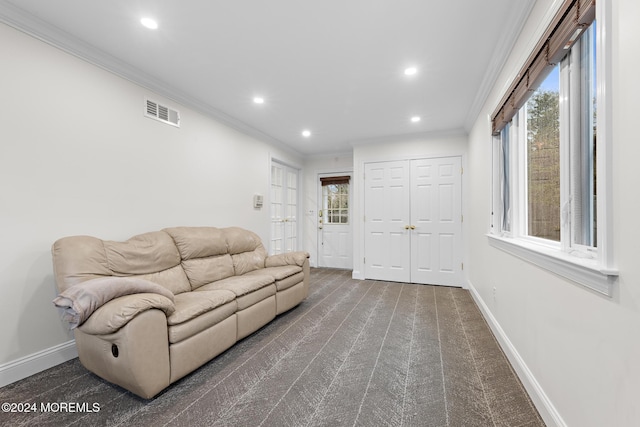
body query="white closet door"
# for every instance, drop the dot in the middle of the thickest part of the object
(413, 221)
(436, 195)
(387, 238)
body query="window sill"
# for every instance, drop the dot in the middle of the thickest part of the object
(584, 271)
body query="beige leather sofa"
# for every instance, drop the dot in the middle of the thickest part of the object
(152, 309)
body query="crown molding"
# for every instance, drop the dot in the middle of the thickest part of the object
(23, 21)
(501, 52)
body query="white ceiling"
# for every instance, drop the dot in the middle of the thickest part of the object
(335, 67)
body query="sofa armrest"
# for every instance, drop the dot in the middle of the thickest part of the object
(80, 301)
(116, 313)
(135, 357)
(289, 258)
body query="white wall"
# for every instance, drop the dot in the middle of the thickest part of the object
(434, 145)
(338, 163)
(77, 156)
(581, 349)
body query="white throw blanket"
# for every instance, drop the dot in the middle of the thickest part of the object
(81, 300)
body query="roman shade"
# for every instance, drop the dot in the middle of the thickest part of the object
(573, 17)
(334, 180)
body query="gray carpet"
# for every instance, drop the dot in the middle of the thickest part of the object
(362, 353)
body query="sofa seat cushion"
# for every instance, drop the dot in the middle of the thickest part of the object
(285, 276)
(249, 289)
(202, 322)
(239, 285)
(190, 305)
(247, 300)
(278, 273)
(290, 281)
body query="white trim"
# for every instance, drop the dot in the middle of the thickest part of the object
(598, 274)
(543, 404)
(37, 362)
(17, 18)
(513, 25)
(604, 159)
(358, 191)
(530, 45)
(299, 191)
(584, 271)
(320, 206)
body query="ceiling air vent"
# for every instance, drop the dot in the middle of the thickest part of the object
(153, 110)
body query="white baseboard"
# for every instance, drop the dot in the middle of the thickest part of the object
(355, 274)
(543, 404)
(37, 362)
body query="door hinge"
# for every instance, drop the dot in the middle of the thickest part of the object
(461, 218)
(462, 266)
(461, 171)
(364, 260)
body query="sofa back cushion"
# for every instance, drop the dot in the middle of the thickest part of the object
(198, 242)
(204, 253)
(173, 278)
(246, 250)
(142, 254)
(202, 271)
(152, 256)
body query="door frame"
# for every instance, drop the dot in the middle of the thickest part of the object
(358, 191)
(352, 218)
(299, 219)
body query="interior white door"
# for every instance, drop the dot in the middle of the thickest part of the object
(413, 221)
(436, 214)
(386, 235)
(284, 209)
(335, 222)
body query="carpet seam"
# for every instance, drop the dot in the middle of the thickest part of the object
(314, 357)
(475, 363)
(257, 352)
(444, 385)
(345, 359)
(375, 365)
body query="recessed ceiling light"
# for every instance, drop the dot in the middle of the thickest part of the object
(149, 23)
(415, 119)
(258, 100)
(306, 133)
(410, 71)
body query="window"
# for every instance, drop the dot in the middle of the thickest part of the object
(546, 173)
(542, 141)
(335, 199)
(501, 214)
(336, 203)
